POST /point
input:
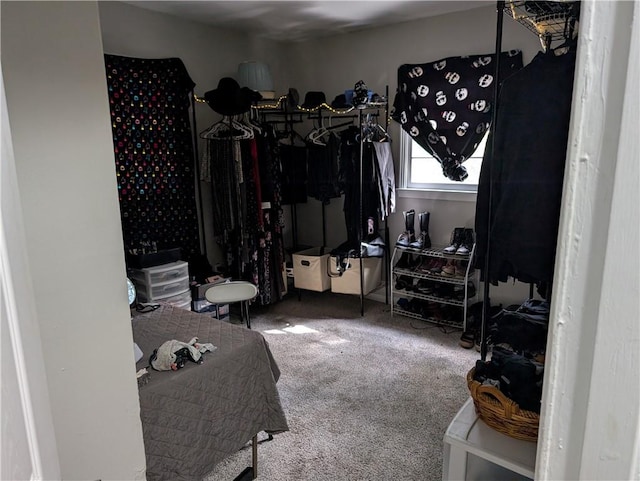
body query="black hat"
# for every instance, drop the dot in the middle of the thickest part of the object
(228, 98)
(340, 102)
(293, 98)
(313, 100)
(254, 95)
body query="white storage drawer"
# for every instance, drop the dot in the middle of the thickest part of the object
(180, 298)
(150, 276)
(184, 305)
(161, 290)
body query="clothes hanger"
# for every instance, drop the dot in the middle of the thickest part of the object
(227, 128)
(252, 125)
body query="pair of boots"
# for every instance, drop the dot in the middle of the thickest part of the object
(408, 237)
(462, 241)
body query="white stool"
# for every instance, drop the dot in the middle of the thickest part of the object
(233, 291)
(475, 451)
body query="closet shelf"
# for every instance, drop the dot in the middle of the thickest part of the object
(550, 21)
(432, 277)
(426, 297)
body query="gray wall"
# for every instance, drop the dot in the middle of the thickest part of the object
(54, 77)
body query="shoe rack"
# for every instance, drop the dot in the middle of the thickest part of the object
(432, 285)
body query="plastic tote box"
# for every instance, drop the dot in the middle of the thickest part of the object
(349, 281)
(310, 269)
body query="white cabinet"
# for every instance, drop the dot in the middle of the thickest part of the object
(426, 291)
(473, 451)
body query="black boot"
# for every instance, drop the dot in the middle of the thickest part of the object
(423, 241)
(466, 244)
(408, 236)
(457, 237)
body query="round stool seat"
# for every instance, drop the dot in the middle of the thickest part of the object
(233, 291)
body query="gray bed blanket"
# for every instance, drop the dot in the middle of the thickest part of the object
(194, 417)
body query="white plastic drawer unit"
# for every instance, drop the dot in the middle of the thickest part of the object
(162, 290)
(178, 299)
(150, 276)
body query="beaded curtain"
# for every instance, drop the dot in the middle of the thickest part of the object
(149, 101)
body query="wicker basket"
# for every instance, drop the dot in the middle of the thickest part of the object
(501, 413)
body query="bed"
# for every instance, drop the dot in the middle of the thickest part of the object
(194, 417)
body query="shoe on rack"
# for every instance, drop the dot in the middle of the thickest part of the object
(403, 303)
(457, 237)
(403, 282)
(449, 269)
(423, 241)
(438, 264)
(461, 269)
(423, 286)
(466, 244)
(408, 236)
(405, 261)
(459, 291)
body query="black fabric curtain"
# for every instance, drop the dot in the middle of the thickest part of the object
(446, 105)
(527, 168)
(149, 101)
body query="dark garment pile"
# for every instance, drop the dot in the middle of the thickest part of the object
(518, 378)
(518, 335)
(523, 328)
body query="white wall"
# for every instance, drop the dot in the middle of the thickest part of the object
(590, 421)
(58, 109)
(208, 54)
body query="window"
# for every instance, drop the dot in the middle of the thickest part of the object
(422, 171)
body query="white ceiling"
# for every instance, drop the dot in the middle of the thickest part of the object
(292, 20)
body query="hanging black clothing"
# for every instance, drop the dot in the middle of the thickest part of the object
(322, 169)
(527, 168)
(446, 105)
(294, 174)
(149, 101)
(349, 183)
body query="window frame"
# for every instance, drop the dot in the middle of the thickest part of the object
(406, 159)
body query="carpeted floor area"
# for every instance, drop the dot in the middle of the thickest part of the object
(366, 398)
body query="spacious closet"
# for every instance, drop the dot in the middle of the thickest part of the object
(61, 134)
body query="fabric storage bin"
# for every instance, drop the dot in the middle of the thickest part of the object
(349, 281)
(310, 269)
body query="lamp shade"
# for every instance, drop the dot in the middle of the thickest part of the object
(256, 76)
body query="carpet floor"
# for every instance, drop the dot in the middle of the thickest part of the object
(366, 397)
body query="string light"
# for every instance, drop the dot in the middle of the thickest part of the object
(323, 105)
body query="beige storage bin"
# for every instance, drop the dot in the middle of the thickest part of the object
(310, 269)
(349, 281)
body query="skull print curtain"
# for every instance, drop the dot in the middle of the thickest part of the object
(446, 105)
